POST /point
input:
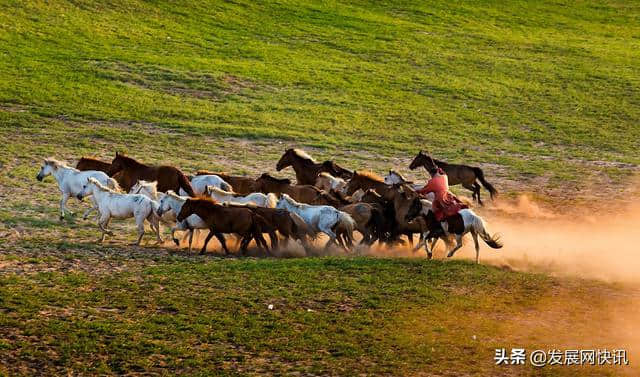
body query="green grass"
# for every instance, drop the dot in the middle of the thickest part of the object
(526, 85)
(543, 93)
(330, 316)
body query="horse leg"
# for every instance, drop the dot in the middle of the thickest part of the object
(206, 241)
(102, 224)
(458, 245)
(154, 220)
(191, 232)
(140, 226)
(63, 204)
(472, 188)
(274, 240)
(475, 241)
(260, 241)
(477, 187)
(220, 238)
(410, 238)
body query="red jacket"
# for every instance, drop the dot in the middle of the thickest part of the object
(445, 203)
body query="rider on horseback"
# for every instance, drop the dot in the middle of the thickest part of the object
(445, 203)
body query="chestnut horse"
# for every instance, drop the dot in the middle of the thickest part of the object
(300, 193)
(241, 185)
(168, 177)
(457, 174)
(307, 169)
(220, 219)
(365, 181)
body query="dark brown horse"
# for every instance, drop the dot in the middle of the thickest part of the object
(307, 169)
(90, 163)
(457, 174)
(168, 177)
(300, 193)
(221, 219)
(365, 181)
(241, 185)
(276, 220)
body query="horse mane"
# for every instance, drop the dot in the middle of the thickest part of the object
(246, 205)
(204, 199)
(370, 175)
(268, 177)
(173, 194)
(55, 163)
(101, 186)
(208, 172)
(392, 171)
(219, 190)
(325, 174)
(128, 160)
(303, 155)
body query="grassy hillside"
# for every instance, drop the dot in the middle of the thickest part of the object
(531, 89)
(526, 85)
(330, 316)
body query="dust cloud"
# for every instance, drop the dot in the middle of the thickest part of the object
(593, 244)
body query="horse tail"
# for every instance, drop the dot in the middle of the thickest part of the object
(272, 200)
(480, 175)
(492, 240)
(183, 183)
(348, 224)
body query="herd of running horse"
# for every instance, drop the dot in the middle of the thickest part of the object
(326, 198)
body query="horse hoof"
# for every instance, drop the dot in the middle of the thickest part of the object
(175, 240)
(61, 218)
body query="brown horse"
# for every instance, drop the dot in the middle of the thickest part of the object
(307, 169)
(300, 193)
(457, 174)
(277, 220)
(168, 177)
(90, 163)
(220, 219)
(366, 180)
(241, 185)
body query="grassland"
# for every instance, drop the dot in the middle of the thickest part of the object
(543, 95)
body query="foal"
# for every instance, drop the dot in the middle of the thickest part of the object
(221, 219)
(122, 206)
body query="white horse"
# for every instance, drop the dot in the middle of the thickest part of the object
(473, 224)
(327, 182)
(122, 206)
(395, 177)
(71, 181)
(150, 190)
(172, 203)
(257, 198)
(200, 183)
(325, 219)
